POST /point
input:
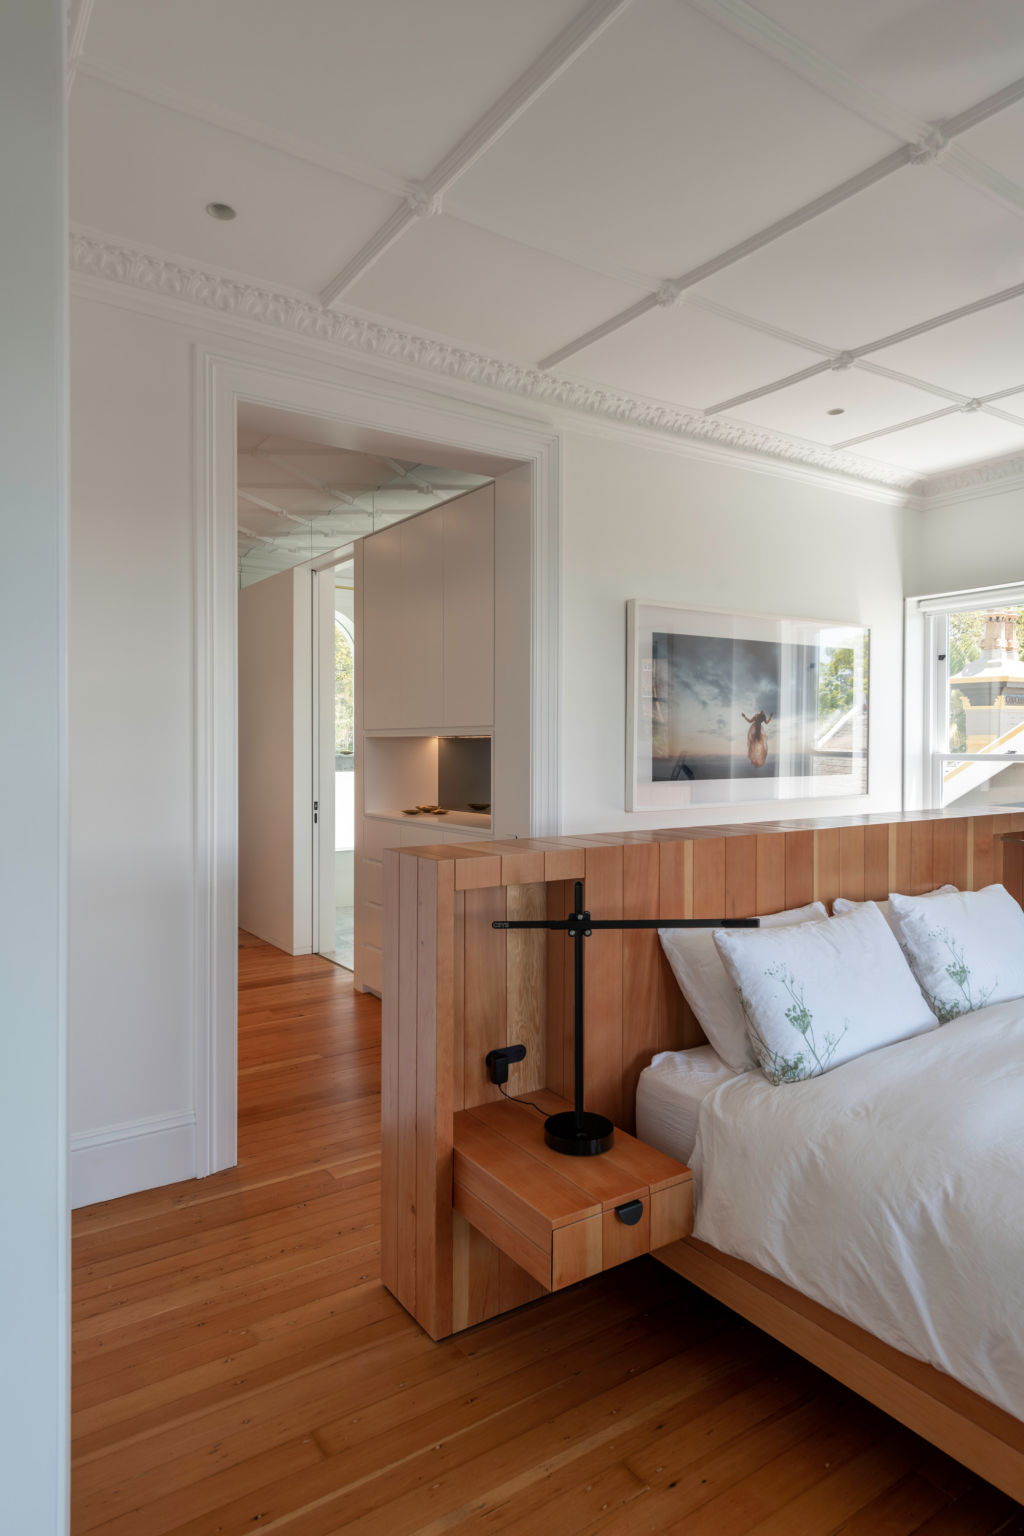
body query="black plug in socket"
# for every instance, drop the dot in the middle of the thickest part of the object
(498, 1061)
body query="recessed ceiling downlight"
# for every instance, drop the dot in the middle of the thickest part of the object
(221, 211)
(837, 410)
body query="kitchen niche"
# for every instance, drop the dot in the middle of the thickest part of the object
(402, 772)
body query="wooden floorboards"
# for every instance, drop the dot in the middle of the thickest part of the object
(238, 1366)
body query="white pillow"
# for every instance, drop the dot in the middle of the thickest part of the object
(966, 949)
(703, 982)
(841, 904)
(821, 993)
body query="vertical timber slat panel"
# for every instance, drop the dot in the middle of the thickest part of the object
(771, 872)
(436, 1183)
(852, 872)
(999, 825)
(389, 1224)
(525, 968)
(981, 860)
(408, 1029)
(922, 851)
(901, 871)
(1013, 870)
(740, 895)
(949, 853)
(826, 865)
(428, 1081)
(515, 1286)
(602, 985)
(876, 863)
(558, 898)
(646, 1006)
(799, 868)
(459, 1001)
(486, 990)
(709, 877)
(675, 883)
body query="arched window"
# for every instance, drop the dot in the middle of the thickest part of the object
(344, 690)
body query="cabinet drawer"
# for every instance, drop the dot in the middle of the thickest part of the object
(563, 1218)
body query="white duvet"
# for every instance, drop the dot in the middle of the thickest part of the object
(891, 1190)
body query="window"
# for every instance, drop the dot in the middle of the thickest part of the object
(344, 695)
(973, 652)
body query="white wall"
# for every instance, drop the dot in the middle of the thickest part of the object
(973, 543)
(638, 522)
(130, 679)
(33, 1121)
(275, 761)
(642, 523)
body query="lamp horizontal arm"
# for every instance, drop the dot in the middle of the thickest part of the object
(563, 924)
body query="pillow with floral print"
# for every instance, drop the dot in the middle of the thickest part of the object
(966, 948)
(843, 904)
(819, 994)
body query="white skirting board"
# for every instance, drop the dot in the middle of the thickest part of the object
(140, 1154)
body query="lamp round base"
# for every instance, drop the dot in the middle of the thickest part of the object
(593, 1135)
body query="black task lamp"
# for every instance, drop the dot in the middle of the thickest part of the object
(575, 1131)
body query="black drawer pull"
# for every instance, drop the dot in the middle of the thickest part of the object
(631, 1212)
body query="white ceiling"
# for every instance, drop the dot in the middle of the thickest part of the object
(765, 213)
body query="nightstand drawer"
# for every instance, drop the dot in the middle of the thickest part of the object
(564, 1218)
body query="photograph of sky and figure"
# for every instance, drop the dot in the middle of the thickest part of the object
(726, 708)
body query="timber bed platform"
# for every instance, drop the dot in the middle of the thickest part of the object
(454, 988)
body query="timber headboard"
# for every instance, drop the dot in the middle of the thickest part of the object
(454, 988)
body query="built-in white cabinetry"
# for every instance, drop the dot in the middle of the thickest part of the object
(468, 667)
(428, 632)
(443, 651)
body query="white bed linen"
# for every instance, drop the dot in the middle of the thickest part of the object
(889, 1190)
(670, 1093)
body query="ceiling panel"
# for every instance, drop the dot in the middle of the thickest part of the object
(912, 247)
(1014, 404)
(479, 289)
(975, 356)
(933, 58)
(1000, 140)
(688, 356)
(946, 444)
(145, 174)
(393, 84)
(867, 403)
(667, 142)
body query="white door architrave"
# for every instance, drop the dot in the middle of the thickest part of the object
(363, 401)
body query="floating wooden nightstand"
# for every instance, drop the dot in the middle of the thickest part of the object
(564, 1218)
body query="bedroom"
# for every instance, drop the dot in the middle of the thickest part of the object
(746, 533)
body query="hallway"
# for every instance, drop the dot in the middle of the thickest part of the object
(238, 1366)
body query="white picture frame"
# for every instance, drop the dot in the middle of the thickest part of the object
(726, 709)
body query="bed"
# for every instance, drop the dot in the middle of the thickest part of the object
(885, 1191)
(454, 987)
(888, 1190)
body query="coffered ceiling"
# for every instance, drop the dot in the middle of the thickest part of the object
(797, 221)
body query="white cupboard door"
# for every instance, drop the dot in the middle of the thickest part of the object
(469, 609)
(381, 638)
(421, 621)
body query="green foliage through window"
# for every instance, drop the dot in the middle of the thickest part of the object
(344, 694)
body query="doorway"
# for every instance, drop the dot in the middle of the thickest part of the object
(332, 407)
(334, 759)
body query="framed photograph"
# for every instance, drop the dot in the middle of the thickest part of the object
(728, 708)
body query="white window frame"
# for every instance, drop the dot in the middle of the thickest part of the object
(926, 718)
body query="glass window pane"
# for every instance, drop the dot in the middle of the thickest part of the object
(986, 681)
(981, 785)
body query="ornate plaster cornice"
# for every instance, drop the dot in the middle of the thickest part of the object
(302, 317)
(993, 474)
